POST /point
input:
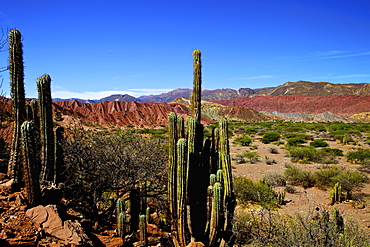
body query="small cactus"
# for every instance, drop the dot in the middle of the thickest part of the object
(336, 194)
(143, 233)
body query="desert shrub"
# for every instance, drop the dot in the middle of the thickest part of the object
(295, 134)
(249, 156)
(349, 180)
(247, 191)
(270, 137)
(243, 140)
(308, 154)
(319, 143)
(325, 177)
(303, 154)
(318, 227)
(275, 179)
(253, 147)
(332, 151)
(297, 176)
(296, 141)
(358, 157)
(98, 163)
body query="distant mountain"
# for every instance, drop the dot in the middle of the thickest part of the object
(119, 97)
(114, 97)
(307, 88)
(304, 88)
(167, 97)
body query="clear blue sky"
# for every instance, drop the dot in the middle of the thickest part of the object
(94, 48)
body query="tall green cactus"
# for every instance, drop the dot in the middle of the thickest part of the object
(172, 140)
(16, 69)
(181, 188)
(204, 204)
(197, 82)
(46, 122)
(31, 164)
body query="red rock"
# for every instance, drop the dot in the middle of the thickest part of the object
(71, 232)
(7, 186)
(153, 230)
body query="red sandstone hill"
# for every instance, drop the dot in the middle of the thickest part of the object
(120, 113)
(344, 105)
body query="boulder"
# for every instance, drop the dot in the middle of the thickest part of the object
(69, 231)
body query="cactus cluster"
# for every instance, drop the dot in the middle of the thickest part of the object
(24, 164)
(200, 187)
(336, 194)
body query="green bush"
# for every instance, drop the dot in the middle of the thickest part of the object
(270, 137)
(249, 156)
(296, 141)
(319, 143)
(358, 157)
(297, 176)
(247, 191)
(325, 177)
(243, 140)
(332, 151)
(308, 154)
(295, 134)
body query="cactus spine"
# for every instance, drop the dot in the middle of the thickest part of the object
(31, 162)
(46, 122)
(18, 102)
(205, 203)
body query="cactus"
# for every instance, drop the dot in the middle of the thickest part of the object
(121, 224)
(47, 135)
(172, 140)
(142, 227)
(338, 220)
(336, 194)
(204, 201)
(280, 197)
(18, 102)
(197, 81)
(58, 155)
(181, 191)
(31, 162)
(216, 222)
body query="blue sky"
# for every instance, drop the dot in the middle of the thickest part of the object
(95, 48)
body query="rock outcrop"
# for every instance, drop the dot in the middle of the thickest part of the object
(49, 220)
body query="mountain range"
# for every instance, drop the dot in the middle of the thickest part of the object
(289, 88)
